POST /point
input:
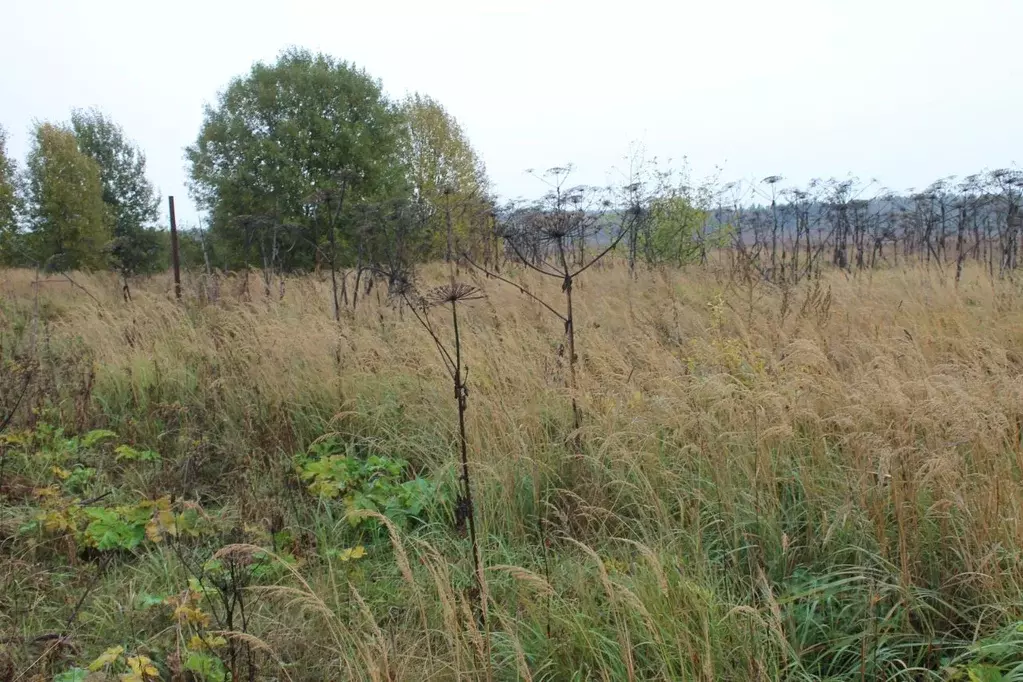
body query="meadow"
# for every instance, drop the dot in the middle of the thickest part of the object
(808, 481)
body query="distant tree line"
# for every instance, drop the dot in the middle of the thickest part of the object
(785, 233)
(304, 164)
(788, 233)
(82, 201)
(299, 165)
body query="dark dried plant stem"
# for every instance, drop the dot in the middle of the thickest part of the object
(458, 373)
(522, 289)
(567, 277)
(9, 417)
(332, 218)
(541, 498)
(462, 395)
(29, 372)
(79, 286)
(566, 287)
(559, 270)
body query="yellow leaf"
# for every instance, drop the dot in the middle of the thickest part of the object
(356, 552)
(323, 488)
(162, 523)
(143, 667)
(47, 492)
(56, 522)
(106, 658)
(187, 614)
(168, 521)
(200, 643)
(60, 472)
(17, 438)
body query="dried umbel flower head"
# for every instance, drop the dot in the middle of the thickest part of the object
(453, 293)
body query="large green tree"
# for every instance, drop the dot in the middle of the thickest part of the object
(9, 203)
(131, 200)
(444, 171)
(67, 219)
(285, 149)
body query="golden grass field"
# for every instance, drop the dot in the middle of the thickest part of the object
(813, 482)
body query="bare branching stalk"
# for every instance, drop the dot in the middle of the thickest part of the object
(542, 239)
(451, 295)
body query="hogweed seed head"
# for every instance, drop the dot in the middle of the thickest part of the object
(453, 293)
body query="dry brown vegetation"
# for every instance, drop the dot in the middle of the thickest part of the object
(804, 481)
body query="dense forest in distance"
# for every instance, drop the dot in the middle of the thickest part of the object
(304, 164)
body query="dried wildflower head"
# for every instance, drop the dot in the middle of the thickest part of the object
(551, 228)
(452, 293)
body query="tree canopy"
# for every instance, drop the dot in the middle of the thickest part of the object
(444, 170)
(300, 162)
(130, 198)
(283, 135)
(69, 223)
(9, 202)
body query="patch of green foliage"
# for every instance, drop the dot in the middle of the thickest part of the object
(996, 658)
(65, 468)
(376, 483)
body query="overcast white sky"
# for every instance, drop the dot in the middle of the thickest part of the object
(905, 91)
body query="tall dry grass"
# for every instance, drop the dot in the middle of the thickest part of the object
(774, 483)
